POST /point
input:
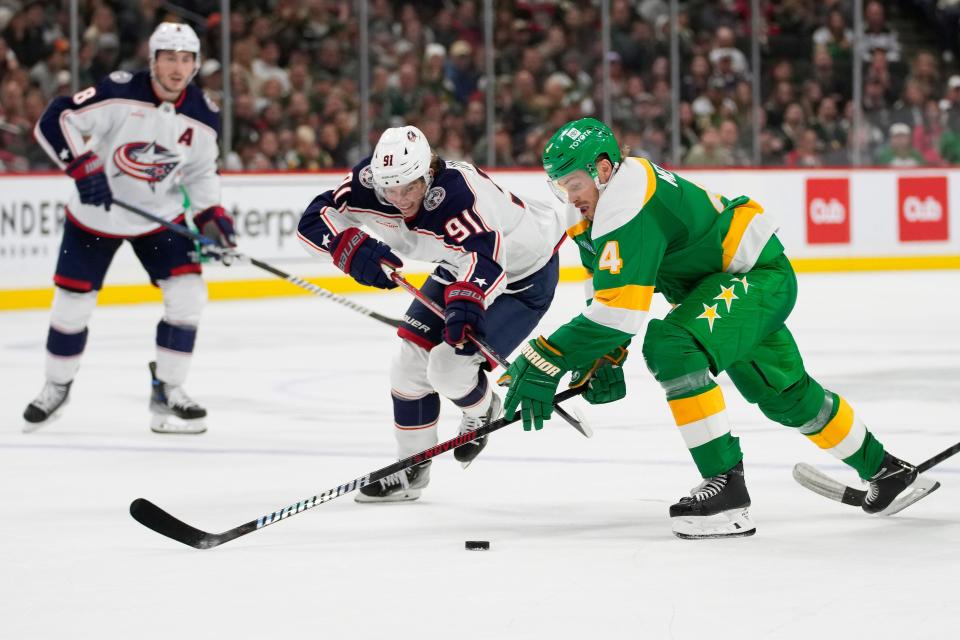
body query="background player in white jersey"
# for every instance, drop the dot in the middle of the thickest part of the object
(151, 139)
(496, 273)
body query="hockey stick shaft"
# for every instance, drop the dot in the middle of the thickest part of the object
(940, 457)
(155, 518)
(487, 351)
(215, 248)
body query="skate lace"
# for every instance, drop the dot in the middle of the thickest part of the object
(50, 396)
(177, 397)
(708, 488)
(395, 479)
(472, 423)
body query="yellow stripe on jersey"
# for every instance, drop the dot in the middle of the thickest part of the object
(699, 407)
(843, 435)
(651, 180)
(578, 228)
(632, 296)
(742, 217)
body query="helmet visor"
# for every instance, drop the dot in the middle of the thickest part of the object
(572, 185)
(401, 196)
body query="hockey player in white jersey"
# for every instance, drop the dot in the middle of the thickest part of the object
(496, 273)
(150, 138)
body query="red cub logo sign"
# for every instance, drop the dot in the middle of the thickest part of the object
(828, 210)
(923, 210)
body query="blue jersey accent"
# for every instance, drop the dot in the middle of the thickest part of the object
(448, 214)
(120, 85)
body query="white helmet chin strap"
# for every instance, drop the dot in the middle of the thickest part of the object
(603, 185)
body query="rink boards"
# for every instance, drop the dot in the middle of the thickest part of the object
(830, 220)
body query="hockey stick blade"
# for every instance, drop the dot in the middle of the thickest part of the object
(815, 480)
(153, 517)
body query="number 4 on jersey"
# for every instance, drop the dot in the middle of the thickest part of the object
(610, 257)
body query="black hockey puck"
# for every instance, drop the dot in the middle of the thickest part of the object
(477, 545)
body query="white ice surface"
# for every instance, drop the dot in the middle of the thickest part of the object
(581, 546)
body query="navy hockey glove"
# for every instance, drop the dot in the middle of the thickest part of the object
(87, 171)
(357, 254)
(216, 224)
(463, 310)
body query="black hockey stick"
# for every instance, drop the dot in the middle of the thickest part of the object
(577, 423)
(153, 517)
(210, 246)
(817, 481)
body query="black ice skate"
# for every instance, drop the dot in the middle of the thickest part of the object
(46, 407)
(716, 508)
(466, 453)
(896, 486)
(401, 486)
(173, 410)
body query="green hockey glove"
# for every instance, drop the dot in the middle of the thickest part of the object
(533, 378)
(604, 379)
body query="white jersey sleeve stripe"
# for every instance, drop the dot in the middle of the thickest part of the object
(625, 320)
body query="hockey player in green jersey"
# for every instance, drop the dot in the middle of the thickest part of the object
(641, 228)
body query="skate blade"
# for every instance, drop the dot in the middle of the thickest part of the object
(173, 425)
(30, 427)
(920, 489)
(401, 496)
(734, 523)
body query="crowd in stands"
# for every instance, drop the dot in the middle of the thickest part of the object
(295, 68)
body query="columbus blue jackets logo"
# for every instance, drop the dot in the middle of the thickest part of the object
(433, 198)
(147, 161)
(366, 177)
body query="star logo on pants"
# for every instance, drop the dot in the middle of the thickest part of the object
(727, 295)
(743, 281)
(709, 314)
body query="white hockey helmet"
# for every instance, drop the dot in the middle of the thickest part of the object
(401, 156)
(174, 36)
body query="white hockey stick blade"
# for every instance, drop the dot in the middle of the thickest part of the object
(578, 413)
(815, 480)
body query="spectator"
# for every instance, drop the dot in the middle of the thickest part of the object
(900, 151)
(25, 34)
(783, 96)
(877, 35)
(806, 153)
(460, 71)
(730, 143)
(793, 125)
(835, 37)
(708, 152)
(909, 108)
(927, 135)
(950, 140)
(831, 132)
(952, 99)
(711, 108)
(210, 78)
(724, 46)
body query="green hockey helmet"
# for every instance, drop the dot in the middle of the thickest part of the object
(576, 146)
